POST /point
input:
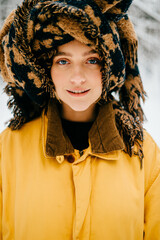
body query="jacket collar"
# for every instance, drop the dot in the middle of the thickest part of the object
(103, 135)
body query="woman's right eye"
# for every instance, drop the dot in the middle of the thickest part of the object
(62, 62)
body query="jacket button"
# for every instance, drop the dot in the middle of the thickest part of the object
(60, 159)
(70, 158)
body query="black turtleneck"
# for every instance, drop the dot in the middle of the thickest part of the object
(77, 133)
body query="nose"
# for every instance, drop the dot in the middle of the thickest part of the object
(78, 76)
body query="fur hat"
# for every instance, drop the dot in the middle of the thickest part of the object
(32, 33)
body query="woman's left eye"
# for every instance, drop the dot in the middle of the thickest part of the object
(93, 61)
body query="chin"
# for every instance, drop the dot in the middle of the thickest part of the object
(79, 108)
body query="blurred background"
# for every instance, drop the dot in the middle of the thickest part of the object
(145, 15)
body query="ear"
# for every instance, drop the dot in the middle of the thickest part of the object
(114, 6)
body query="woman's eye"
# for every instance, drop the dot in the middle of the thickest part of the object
(94, 61)
(62, 62)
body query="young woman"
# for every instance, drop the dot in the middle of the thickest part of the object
(76, 162)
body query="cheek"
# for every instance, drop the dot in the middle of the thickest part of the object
(95, 73)
(96, 79)
(56, 77)
(98, 84)
(52, 74)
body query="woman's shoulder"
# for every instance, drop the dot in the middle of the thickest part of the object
(149, 145)
(151, 160)
(151, 151)
(26, 130)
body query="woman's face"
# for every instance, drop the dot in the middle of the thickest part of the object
(76, 74)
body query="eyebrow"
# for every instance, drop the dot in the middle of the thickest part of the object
(70, 55)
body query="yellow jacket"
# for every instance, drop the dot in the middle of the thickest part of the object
(49, 191)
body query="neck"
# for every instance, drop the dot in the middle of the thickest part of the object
(87, 115)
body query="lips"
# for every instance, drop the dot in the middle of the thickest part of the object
(78, 92)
